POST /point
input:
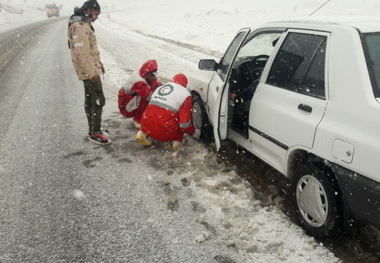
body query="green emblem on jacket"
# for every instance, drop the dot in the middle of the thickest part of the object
(165, 90)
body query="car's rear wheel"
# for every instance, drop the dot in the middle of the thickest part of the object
(316, 200)
(200, 119)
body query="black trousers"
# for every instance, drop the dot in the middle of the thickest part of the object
(94, 101)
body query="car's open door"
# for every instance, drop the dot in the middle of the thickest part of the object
(219, 111)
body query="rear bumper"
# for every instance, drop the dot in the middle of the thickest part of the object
(361, 195)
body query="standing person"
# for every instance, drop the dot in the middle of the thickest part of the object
(135, 94)
(86, 60)
(168, 115)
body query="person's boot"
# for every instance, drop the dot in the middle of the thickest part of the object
(176, 145)
(143, 139)
(99, 138)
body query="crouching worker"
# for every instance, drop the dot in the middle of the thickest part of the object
(135, 94)
(168, 115)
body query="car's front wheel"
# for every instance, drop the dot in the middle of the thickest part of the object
(316, 199)
(200, 119)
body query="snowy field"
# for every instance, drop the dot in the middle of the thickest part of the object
(178, 33)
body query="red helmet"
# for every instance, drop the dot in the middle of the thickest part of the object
(180, 79)
(149, 66)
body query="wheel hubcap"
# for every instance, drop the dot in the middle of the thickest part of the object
(312, 200)
(197, 115)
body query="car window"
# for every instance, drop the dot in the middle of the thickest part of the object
(261, 44)
(229, 55)
(250, 61)
(372, 51)
(299, 65)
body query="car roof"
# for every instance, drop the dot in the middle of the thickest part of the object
(362, 23)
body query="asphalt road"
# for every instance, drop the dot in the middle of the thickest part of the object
(63, 199)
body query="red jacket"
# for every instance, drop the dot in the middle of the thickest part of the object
(134, 96)
(168, 115)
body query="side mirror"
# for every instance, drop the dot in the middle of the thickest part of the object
(207, 64)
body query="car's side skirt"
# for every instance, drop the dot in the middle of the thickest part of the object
(270, 138)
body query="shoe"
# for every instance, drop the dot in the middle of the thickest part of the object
(99, 138)
(137, 125)
(143, 139)
(176, 145)
(105, 131)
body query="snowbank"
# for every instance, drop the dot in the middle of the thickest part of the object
(212, 24)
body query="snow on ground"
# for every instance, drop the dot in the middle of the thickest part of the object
(226, 204)
(15, 13)
(212, 24)
(228, 208)
(10, 20)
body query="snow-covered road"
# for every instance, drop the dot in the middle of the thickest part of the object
(66, 200)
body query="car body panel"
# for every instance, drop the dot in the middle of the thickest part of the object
(218, 97)
(340, 127)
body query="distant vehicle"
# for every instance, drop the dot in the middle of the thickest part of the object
(304, 96)
(52, 10)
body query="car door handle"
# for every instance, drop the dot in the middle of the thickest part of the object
(217, 89)
(305, 107)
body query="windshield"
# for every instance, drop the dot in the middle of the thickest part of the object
(371, 43)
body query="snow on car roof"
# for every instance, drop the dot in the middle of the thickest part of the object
(363, 23)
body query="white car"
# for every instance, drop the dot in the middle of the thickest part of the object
(304, 96)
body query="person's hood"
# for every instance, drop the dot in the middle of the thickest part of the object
(75, 18)
(149, 66)
(79, 15)
(180, 79)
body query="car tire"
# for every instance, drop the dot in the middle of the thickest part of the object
(200, 119)
(317, 202)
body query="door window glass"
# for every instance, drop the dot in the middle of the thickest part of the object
(300, 65)
(372, 51)
(250, 61)
(229, 55)
(244, 75)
